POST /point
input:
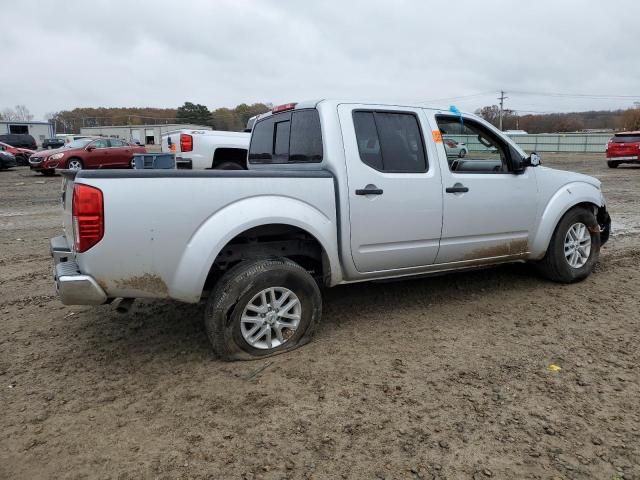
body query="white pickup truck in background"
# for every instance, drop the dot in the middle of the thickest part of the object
(206, 149)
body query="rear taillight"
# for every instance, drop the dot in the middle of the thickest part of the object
(186, 142)
(88, 217)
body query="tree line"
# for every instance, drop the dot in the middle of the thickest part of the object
(235, 119)
(232, 119)
(563, 122)
(20, 113)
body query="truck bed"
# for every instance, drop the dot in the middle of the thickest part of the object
(165, 228)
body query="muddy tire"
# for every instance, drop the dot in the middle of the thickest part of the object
(574, 247)
(612, 164)
(262, 308)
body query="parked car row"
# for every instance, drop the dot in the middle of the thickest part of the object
(21, 154)
(86, 153)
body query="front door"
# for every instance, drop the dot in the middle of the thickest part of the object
(395, 193)
(99, 156)
(489, 212)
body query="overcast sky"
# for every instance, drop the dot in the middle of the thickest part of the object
(63, 54)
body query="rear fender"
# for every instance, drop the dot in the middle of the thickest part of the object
(567, 197)
(215, 232)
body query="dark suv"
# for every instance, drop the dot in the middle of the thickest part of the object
(19, 140)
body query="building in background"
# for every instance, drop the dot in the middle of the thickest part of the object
(38, 130)
(144, 134)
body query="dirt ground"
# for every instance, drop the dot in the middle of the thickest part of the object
(442, 378)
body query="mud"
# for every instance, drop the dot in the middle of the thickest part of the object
(444, 378)
(144, 283)
(509, 248)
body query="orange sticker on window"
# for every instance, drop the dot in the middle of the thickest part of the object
(437, 136)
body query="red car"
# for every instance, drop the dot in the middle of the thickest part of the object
(86, 153)
(22, 154)
(624, 147)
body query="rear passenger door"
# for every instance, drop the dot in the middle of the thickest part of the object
(395, 192)
(121, 154)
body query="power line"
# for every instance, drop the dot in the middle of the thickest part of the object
(574, 95)
(480, 94)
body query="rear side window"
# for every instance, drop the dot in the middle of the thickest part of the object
(390, 141)
(291, 137)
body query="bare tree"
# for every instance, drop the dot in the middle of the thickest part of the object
(9, 114)
(23, 113)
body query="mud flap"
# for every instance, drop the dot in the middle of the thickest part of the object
(604, 221)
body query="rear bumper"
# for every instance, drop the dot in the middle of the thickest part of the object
(72, 286)
(624, 159)
(184, 163)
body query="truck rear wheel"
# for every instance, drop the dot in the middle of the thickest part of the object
(261, 308)
(574, 247)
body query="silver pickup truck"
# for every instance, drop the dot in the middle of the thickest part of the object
(336, 192)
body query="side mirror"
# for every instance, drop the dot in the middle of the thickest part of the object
(534, 159)
(90, 148)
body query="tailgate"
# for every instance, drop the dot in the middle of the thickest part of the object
(622, 149)
(171, 142)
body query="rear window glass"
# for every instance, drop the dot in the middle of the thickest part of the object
(291, 137)
(390, 141)
(306, 137)
(281, 142)
(626, 139)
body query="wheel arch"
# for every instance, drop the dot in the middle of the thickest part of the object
(238, 218)
(225, 154)
(568, 197)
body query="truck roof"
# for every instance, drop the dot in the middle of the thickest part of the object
(335, 102)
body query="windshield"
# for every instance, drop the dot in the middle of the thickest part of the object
(80, 143)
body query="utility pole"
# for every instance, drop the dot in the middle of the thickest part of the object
(502, 98)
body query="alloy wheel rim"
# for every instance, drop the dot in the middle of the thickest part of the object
(270, 318)
(577, 245)
(74, 165)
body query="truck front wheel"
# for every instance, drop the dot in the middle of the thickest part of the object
(261, 308)
(574, 247)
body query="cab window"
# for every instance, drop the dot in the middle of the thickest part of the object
(471, 147)
(290, 137)
(390, 141)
